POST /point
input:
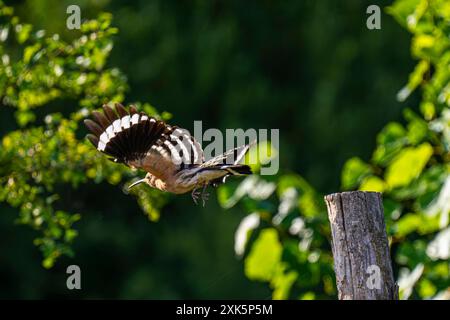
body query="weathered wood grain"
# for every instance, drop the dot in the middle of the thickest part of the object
(360, 246)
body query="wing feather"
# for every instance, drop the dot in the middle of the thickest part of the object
(143, 142)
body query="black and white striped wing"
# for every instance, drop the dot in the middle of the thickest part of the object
(141, 141)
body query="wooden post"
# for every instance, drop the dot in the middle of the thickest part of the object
(360, 246)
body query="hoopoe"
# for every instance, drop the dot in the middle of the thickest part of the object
(172, 158)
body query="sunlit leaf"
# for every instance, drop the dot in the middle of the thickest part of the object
(408, 165)
(353, 172)
(372, 183)
(264, 257)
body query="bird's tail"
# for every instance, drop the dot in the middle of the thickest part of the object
(237, 169)
(234, 169)
(229, 169)
(217, 174)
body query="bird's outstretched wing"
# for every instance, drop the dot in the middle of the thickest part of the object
(143, 142)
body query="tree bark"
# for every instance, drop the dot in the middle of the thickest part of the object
(360, 246)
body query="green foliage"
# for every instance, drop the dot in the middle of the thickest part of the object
(410, 165)
(354, 170)
(45, 153)
(290, 248)
(200, 60)
(263, 261)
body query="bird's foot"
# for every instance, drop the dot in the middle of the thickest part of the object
(195, 195)
(205, 197)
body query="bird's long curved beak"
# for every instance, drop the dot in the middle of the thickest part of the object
(136, 183)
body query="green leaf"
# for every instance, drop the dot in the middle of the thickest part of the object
(417, 131)
(264, 257)
(422, 46)
(429, 182)
(25, 117)
(282, 282)
(407, 224)
(293, 181)
(389, 142)
(428, 110)
(353, 173)
(426, 288)
(408, 165)
(401, 9)
(30, 51)
(23, 32)
(415, 78)
(416, 222)
(372, 183)
(309, 203)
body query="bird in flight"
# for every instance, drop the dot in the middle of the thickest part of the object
(172, 158)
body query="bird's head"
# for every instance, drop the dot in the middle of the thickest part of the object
(146, 180)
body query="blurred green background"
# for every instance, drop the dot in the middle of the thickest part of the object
(310, 68)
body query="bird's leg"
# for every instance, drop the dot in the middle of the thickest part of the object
(195, 195)
(204, 195)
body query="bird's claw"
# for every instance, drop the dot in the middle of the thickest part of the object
(203, 195)
(195, 195)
